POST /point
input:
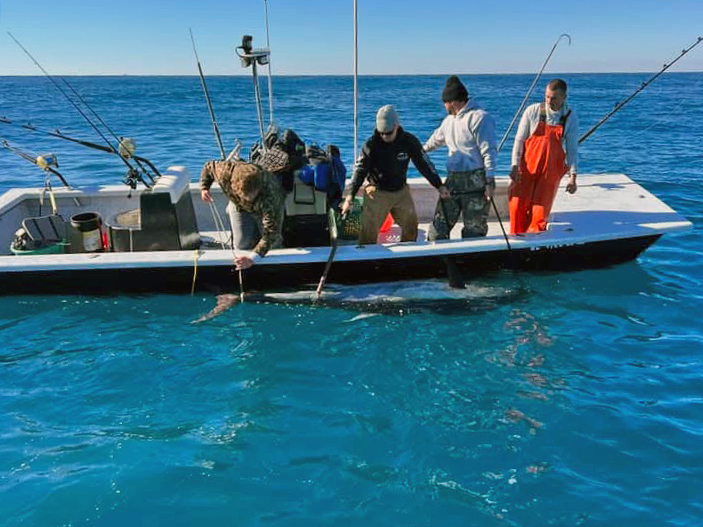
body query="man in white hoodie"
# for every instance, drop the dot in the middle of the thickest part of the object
(469, 134)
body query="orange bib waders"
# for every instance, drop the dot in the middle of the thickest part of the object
(541, 168)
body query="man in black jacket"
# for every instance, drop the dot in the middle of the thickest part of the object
(384, 162)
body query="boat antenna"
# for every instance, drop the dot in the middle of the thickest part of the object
(529, 91)
(619, 105)
(272, 122)
(253, 57)
(132, 174)
(356, 78)
(215, 127)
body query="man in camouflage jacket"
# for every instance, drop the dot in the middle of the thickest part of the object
(255, 209)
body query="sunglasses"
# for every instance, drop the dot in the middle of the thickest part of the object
(387, 134)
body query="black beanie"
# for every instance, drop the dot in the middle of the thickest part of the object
(454, 90)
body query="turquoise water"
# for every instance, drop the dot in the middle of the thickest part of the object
(578, 403)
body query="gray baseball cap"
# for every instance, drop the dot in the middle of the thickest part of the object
(386, 118)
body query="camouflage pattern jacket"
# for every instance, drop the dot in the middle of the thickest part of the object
(268, 205)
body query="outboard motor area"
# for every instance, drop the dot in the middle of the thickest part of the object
(164, 221)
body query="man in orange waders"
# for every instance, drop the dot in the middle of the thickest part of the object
(546, 148)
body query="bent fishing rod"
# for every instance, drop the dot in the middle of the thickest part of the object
(59, 135)
(619, 105)
(531, 89)
(123, 152)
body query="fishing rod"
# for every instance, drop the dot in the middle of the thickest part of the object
(125, 146)
(59, 135)
(272, 123)
(530, 90)
(43, 161)
(619, 105)
(215, 127)
(132, 173)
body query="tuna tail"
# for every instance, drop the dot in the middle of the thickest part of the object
(224, 302)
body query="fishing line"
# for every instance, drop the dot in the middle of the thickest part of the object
(217, 218)
(239, 271)
(676, 110)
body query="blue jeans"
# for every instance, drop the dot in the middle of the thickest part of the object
(246, 228)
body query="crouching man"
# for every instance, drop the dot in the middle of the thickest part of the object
(255, 208)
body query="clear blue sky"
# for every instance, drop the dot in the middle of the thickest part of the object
(150, 37)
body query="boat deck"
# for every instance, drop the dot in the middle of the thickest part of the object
(610, 219)
(605, 206)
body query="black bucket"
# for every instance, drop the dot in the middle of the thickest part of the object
(88, 225)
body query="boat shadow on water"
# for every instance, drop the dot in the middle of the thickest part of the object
(387, 298)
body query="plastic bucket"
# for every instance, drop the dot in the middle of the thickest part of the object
(88, 225)
(53, 248)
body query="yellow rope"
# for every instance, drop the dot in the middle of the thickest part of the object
(196, 253)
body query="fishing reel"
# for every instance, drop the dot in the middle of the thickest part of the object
(250, 56)
(127, 147)
(44, 161)
(132, 179)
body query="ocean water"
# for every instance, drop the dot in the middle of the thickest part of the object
(577, 402)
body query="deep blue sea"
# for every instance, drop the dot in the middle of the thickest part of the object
(579, 403)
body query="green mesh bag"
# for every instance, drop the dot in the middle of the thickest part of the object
(350, 227)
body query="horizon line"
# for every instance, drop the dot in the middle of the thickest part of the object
(335, 74)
